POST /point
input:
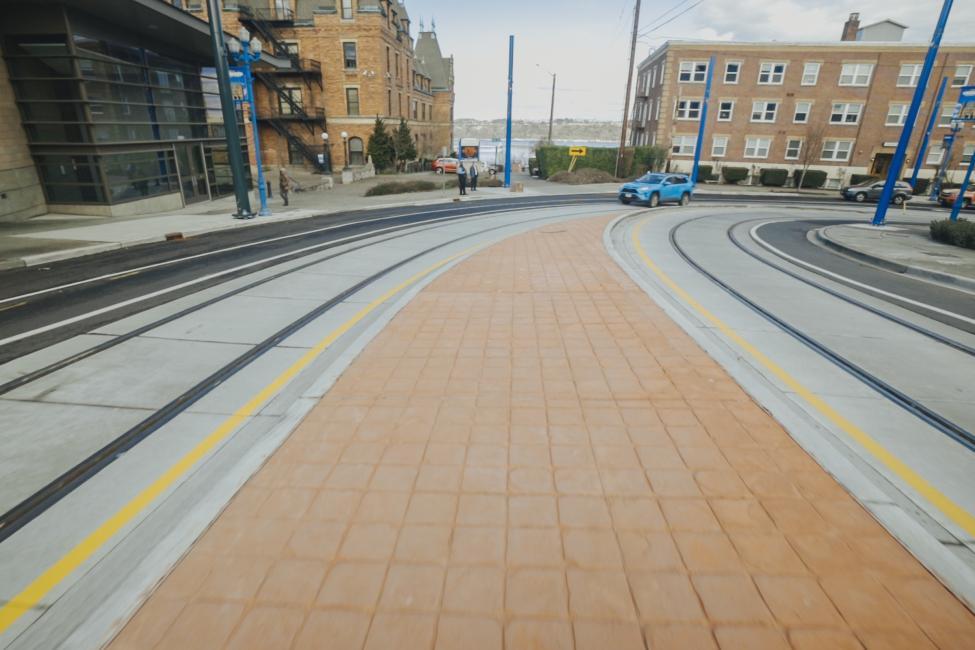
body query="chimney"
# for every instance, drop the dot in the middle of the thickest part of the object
(851, 28)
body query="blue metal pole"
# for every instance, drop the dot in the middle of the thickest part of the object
(261, 186)
(922, 148)
(704, 117)
(960, 199)
(922, 84)
(942, 173)
(507, 135)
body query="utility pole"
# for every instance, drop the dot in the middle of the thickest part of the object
(551, 111)
(507, 135)
(922, 84)
(629, 84)
(234, 153)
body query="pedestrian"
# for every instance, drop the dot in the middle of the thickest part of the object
(284, 185)
(474, 174)
(462, 179)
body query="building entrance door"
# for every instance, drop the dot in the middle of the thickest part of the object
(192, 173)
(881, 164)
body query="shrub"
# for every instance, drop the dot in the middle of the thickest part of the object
(704, 173)
(921, 185)
(773, 177)
(636, 160)
(401, 187)
(583, 176)
(856, 179)
(734, 175)
(814, 178)
(957, 233)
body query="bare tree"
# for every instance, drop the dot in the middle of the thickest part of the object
(811, 147)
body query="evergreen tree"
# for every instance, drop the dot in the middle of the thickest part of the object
(403, 144)
(380, 146)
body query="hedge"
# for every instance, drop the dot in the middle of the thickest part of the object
(704, 173)
(773, 177)
(733, 175)
(921, 185)
(636, 160)
(856, 179)
(401, 187)
(957, 233)
(814, 178)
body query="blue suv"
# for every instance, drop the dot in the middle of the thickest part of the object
(653, 189)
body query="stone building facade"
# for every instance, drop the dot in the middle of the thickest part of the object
(840, 106)
(353, 61)
(21, 194)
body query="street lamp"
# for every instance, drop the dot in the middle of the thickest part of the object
(345, 147)
(245, 51)
(326, 154)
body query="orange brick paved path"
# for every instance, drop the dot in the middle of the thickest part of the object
(533, 455)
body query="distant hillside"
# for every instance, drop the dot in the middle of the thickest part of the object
(582, 130)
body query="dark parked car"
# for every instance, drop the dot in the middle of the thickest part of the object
(872, 189)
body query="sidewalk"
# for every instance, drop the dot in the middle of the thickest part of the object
(904, 248)
(533, 455)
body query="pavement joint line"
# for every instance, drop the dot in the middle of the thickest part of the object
(30, 596)
(961, 517)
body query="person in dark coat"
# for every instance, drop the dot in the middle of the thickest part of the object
(462, 179)
(474, 174)
(284, 184)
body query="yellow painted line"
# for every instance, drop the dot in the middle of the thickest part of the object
(31, 596)
(935, 497)
(14, 306)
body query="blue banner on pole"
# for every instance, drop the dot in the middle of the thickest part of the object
(237, 75)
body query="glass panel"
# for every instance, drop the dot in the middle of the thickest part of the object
(74, 193)
(41, 67)
(67, 169)
(57, 132)
(92, 69)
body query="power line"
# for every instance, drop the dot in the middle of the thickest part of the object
(664, 14)
(654, 28)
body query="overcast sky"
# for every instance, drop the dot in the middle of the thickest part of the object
(586, 42)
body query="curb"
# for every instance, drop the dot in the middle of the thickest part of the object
(917, 272)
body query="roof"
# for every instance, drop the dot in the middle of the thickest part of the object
(885, 21)
(428, 57)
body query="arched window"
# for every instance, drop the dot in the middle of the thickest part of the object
(355, 152)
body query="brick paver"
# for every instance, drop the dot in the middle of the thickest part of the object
(533, 455)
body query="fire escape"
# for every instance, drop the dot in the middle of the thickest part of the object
(288, 117)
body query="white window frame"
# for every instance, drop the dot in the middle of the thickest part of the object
(763, 111)
(856, 74)
(757, 144)
(839, 146)
(846, 110)
(795, 113)
(723, 139)
(810, 69)
(908, 75)
(692, 72)
(737, 72)
(967, 76)
(900, 116)
(731, 110)
(947, 112)
(684, 109)
(686, 146)
(936, 153)
(967, 152)
(657, 110)
(788, 147)
(767, 68)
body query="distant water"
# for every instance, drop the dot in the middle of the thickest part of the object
(492, 151)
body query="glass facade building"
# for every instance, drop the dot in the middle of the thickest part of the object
(112, 120)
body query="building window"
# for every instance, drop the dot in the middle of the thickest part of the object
(693, 71)
(356, 156)
(845, 113)
(683, 145)
(347, 9)
(349, 55)
(838, 150)
(656, 110)
(389, 102)
(771, 73)
(962, 73)
(652, 79)
(688, 109)
(935, 154)
(896, 115)
(856, 74)
(726, 110)
(909, 74)
(757, 147)
(764, 111)
(801, 115)
(413, 108)
(352, 101)
(719, 146)
(947, 112)
(967, 153)
(793, 146)
(286, 107)
(810, 74)
(731, 71)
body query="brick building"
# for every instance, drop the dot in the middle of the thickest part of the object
(352, 60)
(839, 106)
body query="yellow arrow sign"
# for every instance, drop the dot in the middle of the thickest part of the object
(578, 151)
